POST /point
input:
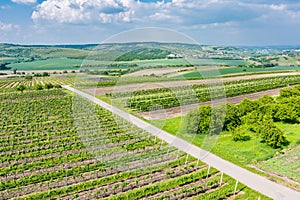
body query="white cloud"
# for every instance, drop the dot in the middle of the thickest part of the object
(7, 27)
(24, 1)
(187, 15)
(84, 11)
(278, 7)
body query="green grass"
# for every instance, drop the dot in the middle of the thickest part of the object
(63, 63)
(286, 164)
(241, 153)
(233, 70)
(54, 64)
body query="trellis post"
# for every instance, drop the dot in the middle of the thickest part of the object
(236, 184)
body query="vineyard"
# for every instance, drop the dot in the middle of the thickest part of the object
(50, 151)
(146, 100)
(30, 83)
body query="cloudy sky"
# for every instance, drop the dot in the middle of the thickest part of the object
(220, 22)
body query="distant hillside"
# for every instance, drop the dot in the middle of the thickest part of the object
(133, 51)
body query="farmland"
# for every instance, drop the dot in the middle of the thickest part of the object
(234, 70)
(46, 155)
(52, 64)
(12, 84)
(146, 100)
(57, 143)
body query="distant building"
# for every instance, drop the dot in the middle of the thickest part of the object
(174, 56)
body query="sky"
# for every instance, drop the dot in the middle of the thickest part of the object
(208, 22)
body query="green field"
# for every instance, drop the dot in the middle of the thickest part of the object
(69, 63)
(240, 153)
(232, 70)
(52, 64)
(286, 164)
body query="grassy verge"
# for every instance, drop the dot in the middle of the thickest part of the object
(246, 153)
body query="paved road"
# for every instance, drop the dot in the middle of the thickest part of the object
(252, 180)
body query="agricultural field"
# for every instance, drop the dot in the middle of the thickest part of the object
(53, 64)
(233, 70)
(9, 84)
(147, 100)
(56, 144)
(52, 151)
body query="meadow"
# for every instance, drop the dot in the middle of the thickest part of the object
(274, 162)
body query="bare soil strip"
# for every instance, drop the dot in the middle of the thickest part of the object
(183, 110)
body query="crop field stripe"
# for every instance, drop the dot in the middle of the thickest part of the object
(246, 177)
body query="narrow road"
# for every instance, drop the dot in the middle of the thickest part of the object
(252, 180)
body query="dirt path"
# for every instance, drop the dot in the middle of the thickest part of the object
(147, 86)
(183, 110)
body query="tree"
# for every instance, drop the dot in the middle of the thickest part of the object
(272, 135)
(21, 88)
(45, 74)
(246, 106)
(39, 87)
(193, 122)
(266, 99)
(285, 113)
(232, 119)
(240, 134)
(48, 86)
(217, 119)
(28, 77)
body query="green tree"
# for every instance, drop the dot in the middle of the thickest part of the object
(45, 74)
(240, 134)
(193, 122)
(21, 88)
(217, 119)
(48, 86)
(39, 87)
(204, 113)
(285, 113)
(272, 135)
(247, 106)
(232, 119)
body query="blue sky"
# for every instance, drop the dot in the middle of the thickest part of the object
(219, 22)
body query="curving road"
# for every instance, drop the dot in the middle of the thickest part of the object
(252, 180)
